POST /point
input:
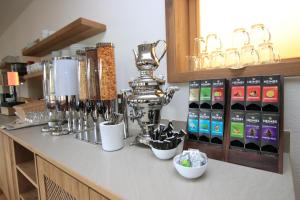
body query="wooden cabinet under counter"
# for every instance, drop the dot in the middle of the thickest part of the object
(25, 175)
(7, 175)
(26, 172)
(55, 184)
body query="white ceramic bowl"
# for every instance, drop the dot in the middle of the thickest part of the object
(189, 172)
(164, 154)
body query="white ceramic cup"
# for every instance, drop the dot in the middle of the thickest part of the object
(112, 136)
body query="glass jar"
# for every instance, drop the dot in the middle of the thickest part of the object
(82, 75)
(92, 73)
(107, 66)
(48, 83)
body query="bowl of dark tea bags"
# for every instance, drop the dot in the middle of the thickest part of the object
(165, 142)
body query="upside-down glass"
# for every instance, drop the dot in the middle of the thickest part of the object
(213, 43)
(232, 58)
(217, 59)
(205, 61)
(37, 117)
(193, 63)
(199, 46)
(240, 38)
(266, 53)
(249, 55)
(259, 34)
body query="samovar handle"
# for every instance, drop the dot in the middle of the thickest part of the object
(165, 48)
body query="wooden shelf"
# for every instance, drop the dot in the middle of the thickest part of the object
(30, 195)
(74, 32)
(28, 170)
(27, 191)
(33, 75)
(286, 68)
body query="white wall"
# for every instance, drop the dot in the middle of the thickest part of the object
(129, 23)
(292, 123)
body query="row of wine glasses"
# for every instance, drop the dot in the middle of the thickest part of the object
(248, 48)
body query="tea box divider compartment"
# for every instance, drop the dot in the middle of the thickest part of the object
(255, 110)
(206, 117)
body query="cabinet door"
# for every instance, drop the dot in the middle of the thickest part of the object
(7, 172)
(55, 184)
(96, 196)
(3, 175)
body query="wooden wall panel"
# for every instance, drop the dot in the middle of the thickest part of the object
(181, 27)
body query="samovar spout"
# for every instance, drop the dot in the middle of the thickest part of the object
(169, 93)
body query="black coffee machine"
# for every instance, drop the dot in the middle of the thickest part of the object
(8, 95)
(4, 89)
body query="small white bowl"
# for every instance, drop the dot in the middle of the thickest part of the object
(164, 154)
(189, 172)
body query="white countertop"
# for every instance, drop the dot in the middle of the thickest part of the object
(134, 173)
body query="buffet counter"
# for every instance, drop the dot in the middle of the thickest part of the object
(134, 173)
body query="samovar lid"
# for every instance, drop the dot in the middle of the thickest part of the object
(144, 82)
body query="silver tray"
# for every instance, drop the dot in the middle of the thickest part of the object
(18, 124)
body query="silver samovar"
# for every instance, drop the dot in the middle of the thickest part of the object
(146, 98)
